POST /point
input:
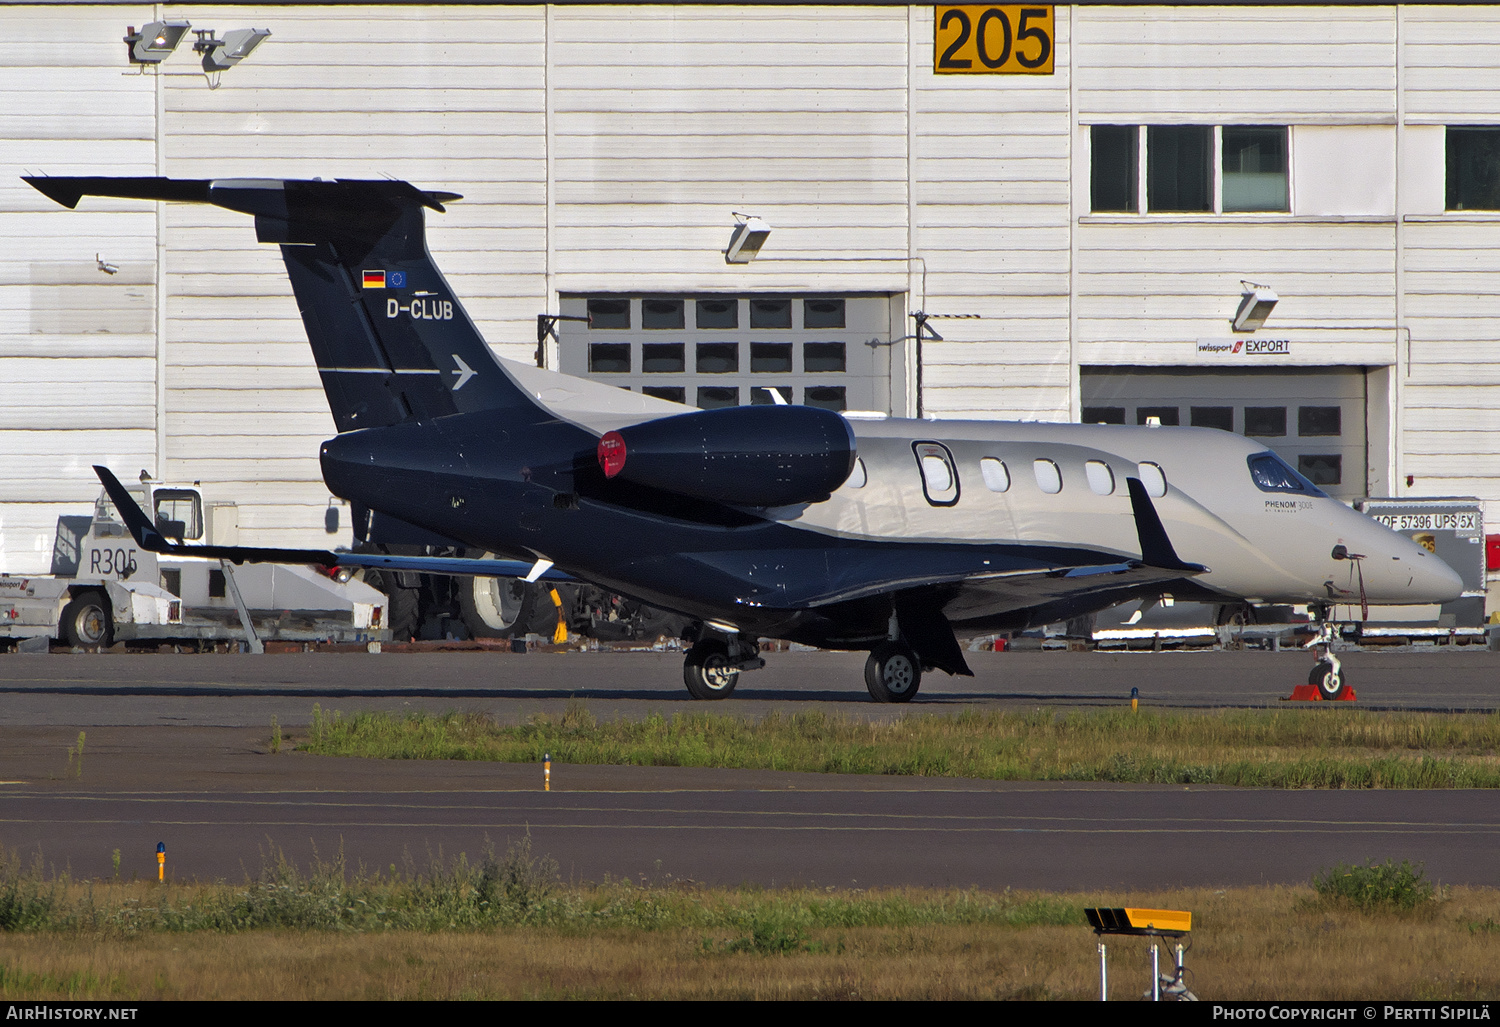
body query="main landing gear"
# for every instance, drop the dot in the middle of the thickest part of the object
(712, 666)
(893, 673)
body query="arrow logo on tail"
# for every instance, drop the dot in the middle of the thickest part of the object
(464, 372)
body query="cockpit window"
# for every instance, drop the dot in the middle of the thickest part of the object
(1273, 474)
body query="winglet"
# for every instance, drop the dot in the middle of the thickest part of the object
(141, 529)
(1156, 547)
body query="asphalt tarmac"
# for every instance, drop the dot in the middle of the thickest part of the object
(177, 751)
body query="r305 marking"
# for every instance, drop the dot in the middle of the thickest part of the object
(119, 562)
(985, 40)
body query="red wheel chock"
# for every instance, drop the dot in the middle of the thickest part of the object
(1310, 693)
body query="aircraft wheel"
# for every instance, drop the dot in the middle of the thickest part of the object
(86, 622)
(707, 671)
(1330, 683)
(893, 673)
(496, 607)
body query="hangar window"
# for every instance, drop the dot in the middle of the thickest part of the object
(1153, 477)
(1103, 415)
(822, 313)
(609, 314)
(1101, 478)
(716, 313)
(829, 351)
(1112, 181)
(661, 315)
(760, 395)
(829, 397)
(1048, 477)
(1321, 468)
(662, 358)
(1221, 418)
(996, 475)
(672, 392)
(1265, 422)
(712, 398)
(718, 357)
(1157, 415)
(1473, 168)
(939, 477)
(1189, 169)
(609, 358)
(1313, 421)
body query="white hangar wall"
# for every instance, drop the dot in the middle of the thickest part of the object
(601, 149)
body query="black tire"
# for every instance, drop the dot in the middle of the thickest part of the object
(86, 622)
(497, 607)
(893, 673)
(403, 606)
(1330, 685)
(707, 672)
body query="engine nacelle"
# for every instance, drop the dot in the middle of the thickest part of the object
(746, 456)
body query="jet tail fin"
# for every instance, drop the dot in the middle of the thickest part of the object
(392, 342)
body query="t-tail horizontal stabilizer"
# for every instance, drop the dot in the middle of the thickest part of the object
(148, 537)
(1156, 547)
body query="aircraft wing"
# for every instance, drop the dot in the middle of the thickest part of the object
(148, 537)
(1000, 577)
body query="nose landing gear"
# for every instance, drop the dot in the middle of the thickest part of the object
(712, 666)
(1327, 680)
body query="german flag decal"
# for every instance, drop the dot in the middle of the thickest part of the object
(374, 279)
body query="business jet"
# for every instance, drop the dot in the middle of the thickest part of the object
(891, 536)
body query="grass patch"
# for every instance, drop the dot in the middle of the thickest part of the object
(1255, 748)
(1373, 887)
(506, 927)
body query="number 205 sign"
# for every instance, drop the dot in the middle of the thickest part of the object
(983, 40)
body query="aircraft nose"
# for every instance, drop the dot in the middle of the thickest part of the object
(1401, 572)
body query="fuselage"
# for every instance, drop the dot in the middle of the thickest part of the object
(961, 508)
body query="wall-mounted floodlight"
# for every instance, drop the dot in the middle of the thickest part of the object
(1256, 304)
(749, 235)
(155, 42)
(220, 54)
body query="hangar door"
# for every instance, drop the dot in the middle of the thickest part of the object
(1315, 418)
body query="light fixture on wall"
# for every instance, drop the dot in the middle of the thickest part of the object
(220, 54)
(749, 235)
(155, 41)
(1256, 304)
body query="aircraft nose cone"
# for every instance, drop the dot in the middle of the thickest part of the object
(1435, 582)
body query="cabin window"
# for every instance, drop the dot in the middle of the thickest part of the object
(859, 476)
(996, 475)
(939, 477)
(1048, 477)
(1101, 478)
(1154, 478)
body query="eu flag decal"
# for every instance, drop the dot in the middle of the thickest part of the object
(374, 279)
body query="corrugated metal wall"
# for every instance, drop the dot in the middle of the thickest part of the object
(602, 148)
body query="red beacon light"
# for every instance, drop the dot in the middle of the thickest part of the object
(611, 453)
